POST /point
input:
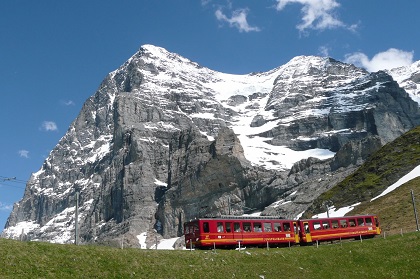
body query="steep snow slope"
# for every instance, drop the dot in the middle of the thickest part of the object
(408, 77)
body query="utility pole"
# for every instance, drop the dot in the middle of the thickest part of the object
(328, 212)
(415, 211)
(76, 222)
(122, 235)
(229, 205)
(327, 206)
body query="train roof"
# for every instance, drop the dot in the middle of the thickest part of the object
(232, 217)
(338, 217)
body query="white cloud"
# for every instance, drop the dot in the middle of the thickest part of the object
(324, 51)
(238, 20)
(5, 207)
(205, 2)
(49, 126)
(318, 15)
(67, 102)
(392, 58)
(23, 153)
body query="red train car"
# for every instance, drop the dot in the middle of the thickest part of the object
(326, 229)
(234, 231)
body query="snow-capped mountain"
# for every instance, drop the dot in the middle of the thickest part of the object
(408, 77)
(164, 140)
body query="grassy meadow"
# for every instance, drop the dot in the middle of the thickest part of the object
(395, 256)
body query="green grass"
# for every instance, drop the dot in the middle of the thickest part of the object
(395, 210)
(381, 169)
(393, 257)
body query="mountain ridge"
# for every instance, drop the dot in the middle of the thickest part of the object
(384, 166)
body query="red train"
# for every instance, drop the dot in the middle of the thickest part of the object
(234, 231)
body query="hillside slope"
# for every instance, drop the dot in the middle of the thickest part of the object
(380, 170)
(395, 210)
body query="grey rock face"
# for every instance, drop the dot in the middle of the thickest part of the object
(349, 104)
(164, 140)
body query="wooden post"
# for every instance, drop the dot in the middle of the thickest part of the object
(415, 211)
(76, 221)
(22, 235)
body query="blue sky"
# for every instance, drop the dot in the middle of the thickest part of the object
(54, 54)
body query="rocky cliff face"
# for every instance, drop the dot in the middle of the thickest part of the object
(164, 140)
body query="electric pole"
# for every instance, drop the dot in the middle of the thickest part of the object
(76, 222)
(415, 211)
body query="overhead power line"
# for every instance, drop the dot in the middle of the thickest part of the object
(12, 181)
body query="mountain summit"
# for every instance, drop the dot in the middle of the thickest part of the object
(164, 140)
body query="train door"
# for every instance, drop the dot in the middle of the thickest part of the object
(307, 232)
(229, 230)
(296, 231)
(378, 229)
(204, 232)
(192, 234)
(187, 234)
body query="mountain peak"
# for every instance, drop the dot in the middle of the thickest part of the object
(159, 55)
(155, 51)
(408, 77)
(316, 65)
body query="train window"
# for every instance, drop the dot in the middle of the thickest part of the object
(286, 227)
(219, 227)
(247, 226)
(352, 222)
(206, 227)
(267, 227)
(343, 223)
(237, 227)
(360, 222)
(325, 225)
(257, 227)
(368, 221)
(277, 227)
(376, 222)
(228, 227)
(317, 225)
(306, 225)
(334, 224)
